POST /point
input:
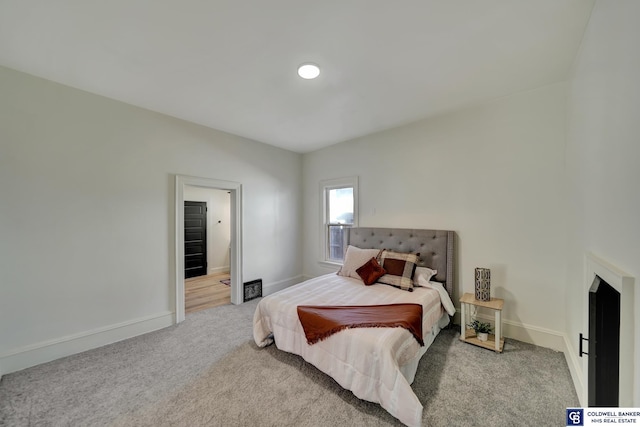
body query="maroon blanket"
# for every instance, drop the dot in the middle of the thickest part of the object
(319, 322)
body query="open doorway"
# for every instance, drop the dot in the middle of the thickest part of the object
(207, 241)
(234, 191)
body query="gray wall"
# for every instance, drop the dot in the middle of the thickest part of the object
(493, 173)
(603, 150)
(87, 210)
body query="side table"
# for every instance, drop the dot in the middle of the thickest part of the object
(495, 342)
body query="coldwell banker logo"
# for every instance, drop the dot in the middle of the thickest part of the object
(574, 417)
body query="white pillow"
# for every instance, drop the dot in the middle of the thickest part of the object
(423, 275)
(355, 258)
(445, 299)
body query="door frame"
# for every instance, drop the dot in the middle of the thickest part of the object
(235, 258)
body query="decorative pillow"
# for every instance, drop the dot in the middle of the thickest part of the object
(400, 268)
(355, 258)
(422, 276)
(371, 272)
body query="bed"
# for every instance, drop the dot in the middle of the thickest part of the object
(376, 364)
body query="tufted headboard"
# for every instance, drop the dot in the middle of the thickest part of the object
(435, 247)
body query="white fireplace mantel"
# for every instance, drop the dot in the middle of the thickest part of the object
(624, 284)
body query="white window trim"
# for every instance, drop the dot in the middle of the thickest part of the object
(330, 184)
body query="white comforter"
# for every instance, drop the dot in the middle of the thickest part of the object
(376, 364)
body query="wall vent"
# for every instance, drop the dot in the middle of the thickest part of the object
(252, 290)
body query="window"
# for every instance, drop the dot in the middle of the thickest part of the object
(339, 202)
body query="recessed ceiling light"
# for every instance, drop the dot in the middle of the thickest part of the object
(308, 71)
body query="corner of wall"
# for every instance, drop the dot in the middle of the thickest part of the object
(542, 337)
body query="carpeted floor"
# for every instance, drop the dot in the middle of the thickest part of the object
(208, 372)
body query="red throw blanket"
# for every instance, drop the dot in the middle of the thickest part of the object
(319, 322)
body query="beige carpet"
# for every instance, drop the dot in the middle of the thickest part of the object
(208, 372)
(264, 387)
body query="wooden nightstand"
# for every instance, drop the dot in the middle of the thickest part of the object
(495, 342)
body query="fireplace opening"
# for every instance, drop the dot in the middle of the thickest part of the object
(604, 344)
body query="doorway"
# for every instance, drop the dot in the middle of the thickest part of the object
(207, 234)
(234, 191)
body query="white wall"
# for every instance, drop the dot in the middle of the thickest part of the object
(603, 151)
(218, 225)
(492, 173)
(87, 214)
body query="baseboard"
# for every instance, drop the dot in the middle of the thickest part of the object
(534, 335)
(47, 351)
(223, 269)
(526, 333)
(282, 284)
(573, 361)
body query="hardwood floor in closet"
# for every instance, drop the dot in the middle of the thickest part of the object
(204, 292)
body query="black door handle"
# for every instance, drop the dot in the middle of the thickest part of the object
(580, 346)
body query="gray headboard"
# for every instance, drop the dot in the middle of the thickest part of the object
(435, 247)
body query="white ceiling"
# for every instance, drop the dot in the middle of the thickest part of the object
(231, 64)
